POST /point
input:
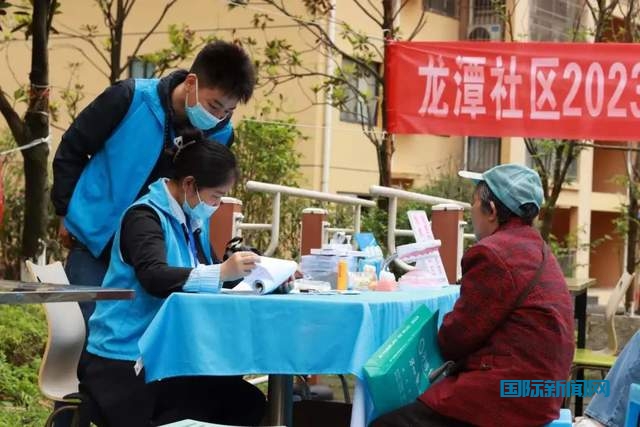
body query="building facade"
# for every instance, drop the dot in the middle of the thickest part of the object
(336, 155)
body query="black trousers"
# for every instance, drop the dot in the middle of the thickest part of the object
(416, 414)
(122, 399)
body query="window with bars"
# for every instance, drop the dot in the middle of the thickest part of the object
(549, 158)
(553, 20)
(141, 69)
(444, 7)
(486, 12)
(357, 109)
(482, 153)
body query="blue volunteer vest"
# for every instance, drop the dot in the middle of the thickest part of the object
(116, 326)
(114, 176)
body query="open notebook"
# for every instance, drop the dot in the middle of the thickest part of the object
(268, 275)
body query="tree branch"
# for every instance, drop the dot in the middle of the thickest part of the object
(128, 5)
(572, 153)
(88, 39)
(8, 62)
(395, 15)
(374, 7)
(557, 179)
(16, 125)
(419, 26)
(105, 8)
(535, 155)
(322, 34)
(87, 57)
(144, 38)
(366, 12)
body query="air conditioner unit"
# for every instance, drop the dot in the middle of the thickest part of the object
(489, 32)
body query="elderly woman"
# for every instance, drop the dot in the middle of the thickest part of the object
(513, 320)
(162, 246)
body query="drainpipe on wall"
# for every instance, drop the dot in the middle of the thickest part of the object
(328, 109)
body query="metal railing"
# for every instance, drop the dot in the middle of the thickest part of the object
(278, 191)
(393, 194)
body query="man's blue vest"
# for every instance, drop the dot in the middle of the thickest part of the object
(114, 176)
(116, 326)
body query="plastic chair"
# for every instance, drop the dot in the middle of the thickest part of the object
(564, 420)
(633, 407)
(603, 360)
(57, 377)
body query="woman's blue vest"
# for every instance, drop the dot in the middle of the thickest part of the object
(116, 326)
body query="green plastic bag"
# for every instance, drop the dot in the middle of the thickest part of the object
(399, 371)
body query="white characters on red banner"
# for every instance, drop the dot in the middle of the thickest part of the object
(506, 87)
(470, 100)
(543, 106)
(432, 103)
(555, 90)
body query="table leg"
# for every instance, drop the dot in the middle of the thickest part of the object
(280, 400)
(581, 315)
(358, 410)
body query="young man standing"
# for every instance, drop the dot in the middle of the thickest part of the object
(125, 140)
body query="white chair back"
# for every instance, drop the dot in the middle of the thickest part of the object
(65, 341)
(615, 298)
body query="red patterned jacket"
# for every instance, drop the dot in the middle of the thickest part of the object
(534, 342)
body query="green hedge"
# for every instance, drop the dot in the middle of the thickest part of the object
(23, 332)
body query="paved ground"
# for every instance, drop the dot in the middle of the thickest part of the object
(625, 325)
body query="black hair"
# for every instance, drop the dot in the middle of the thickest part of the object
(227, 67)
(211, 163)
(503, 213)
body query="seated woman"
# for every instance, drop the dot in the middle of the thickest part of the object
(162, 246)
(513, 320)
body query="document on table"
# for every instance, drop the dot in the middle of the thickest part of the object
(268, 275)
(430, 266)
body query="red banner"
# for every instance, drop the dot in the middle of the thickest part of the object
(552, 90)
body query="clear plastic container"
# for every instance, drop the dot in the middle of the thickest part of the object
(327, 262)
(322, 275)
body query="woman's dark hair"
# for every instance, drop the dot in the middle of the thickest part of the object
(211, 163)
(503, 213)
(227, 67)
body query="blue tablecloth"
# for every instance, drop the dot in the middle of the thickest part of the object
(226, 334)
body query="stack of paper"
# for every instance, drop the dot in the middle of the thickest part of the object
(269, 274)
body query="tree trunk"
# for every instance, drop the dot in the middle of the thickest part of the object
(552, 200)
(36, 122)
(547, 222)
(385, 148)
(116, 42)
(385, 151)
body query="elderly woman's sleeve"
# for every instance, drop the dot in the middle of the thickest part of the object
(487, 294)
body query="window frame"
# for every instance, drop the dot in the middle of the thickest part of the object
(355, 114)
